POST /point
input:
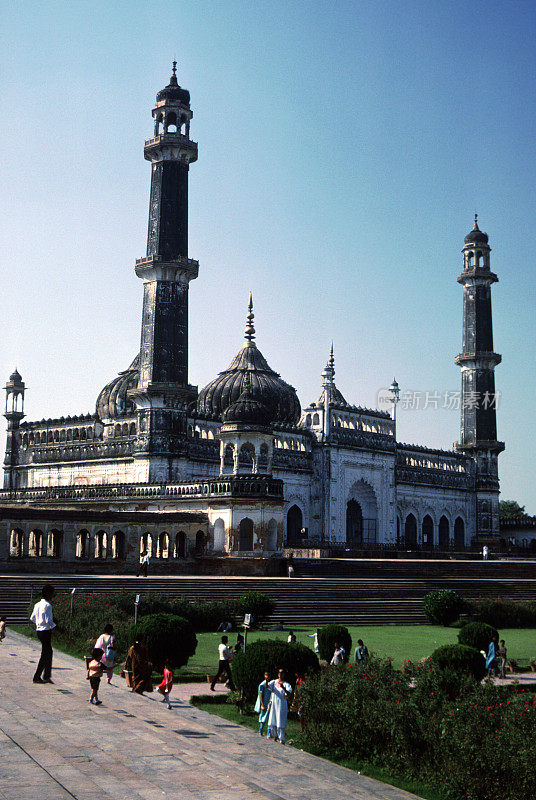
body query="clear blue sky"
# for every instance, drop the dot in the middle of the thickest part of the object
(343, 149)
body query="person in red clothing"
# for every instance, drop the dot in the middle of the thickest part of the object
(165, 687)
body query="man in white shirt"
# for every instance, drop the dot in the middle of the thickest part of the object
(44, 623)
(223, 666)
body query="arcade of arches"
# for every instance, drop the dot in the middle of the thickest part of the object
(443, 535)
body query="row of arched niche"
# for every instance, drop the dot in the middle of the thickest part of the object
(100, 545)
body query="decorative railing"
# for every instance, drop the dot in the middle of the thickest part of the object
(259, 486)
(362, 439)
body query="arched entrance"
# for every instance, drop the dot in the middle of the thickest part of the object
(354, 523)
(361, 515)
(294, 524)
(444, 533)
(428, 532)
(459, 533)
(245, 534)
(410, 531)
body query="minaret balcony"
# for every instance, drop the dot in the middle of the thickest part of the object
(477, 273)
(170, 145)
(154, 267)
(480, 358)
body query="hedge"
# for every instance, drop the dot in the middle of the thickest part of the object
(248, 667)
(476, 745)
(503, 612)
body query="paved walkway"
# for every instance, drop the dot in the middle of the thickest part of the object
(55, 745)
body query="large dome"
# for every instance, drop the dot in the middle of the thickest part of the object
(249, 367)
(112, 401)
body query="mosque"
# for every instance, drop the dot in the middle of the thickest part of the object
(239, 469)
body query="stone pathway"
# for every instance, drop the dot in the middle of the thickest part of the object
(55, 745)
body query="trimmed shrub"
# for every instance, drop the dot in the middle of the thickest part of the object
(477, 635)
(328, 635)
(443, 607)
(503, 612)
(270, 654)
(257, 604)
(460, 658)
(166, 636)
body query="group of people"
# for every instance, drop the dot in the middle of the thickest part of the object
(102, 659)
(273, 702)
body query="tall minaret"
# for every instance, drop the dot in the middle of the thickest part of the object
(163, 393)
(167, 270)
(478, 398)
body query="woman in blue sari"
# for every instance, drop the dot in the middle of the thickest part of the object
(491, 658)
(262, 706)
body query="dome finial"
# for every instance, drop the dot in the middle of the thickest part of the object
(476, 228)
(331, 361)
(173, 79)
(250, 330)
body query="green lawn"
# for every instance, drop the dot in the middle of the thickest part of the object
(398, 642)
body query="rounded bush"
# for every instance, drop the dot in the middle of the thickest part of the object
(443, 606)
(458, 658)
(248, 667)
(166, 636)
(477, 635)
(328, 635)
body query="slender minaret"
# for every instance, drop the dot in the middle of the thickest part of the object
(14, 413)
(167, 270)
(478, 397)
(163, 393)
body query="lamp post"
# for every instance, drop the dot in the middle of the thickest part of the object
(394, 392)
(73, 592)
(136, 604)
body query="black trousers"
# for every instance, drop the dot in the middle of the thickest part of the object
(142, 570)
(45, 662)
(224, 668)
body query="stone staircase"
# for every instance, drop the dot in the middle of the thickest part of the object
(354, 600)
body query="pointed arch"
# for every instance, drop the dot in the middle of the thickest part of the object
(410, 531)
(444, 532)
(459, 533)
(245, 534)
(294, 524)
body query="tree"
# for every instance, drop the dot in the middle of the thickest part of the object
(510, 509)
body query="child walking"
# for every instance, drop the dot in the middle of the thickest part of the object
(165, 687)
(106, 643)
(94, 672)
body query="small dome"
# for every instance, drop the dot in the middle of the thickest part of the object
(476, 236)
(173, 91)
(249, 367)
(15, 377)
(113, 401)
(248, 409)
